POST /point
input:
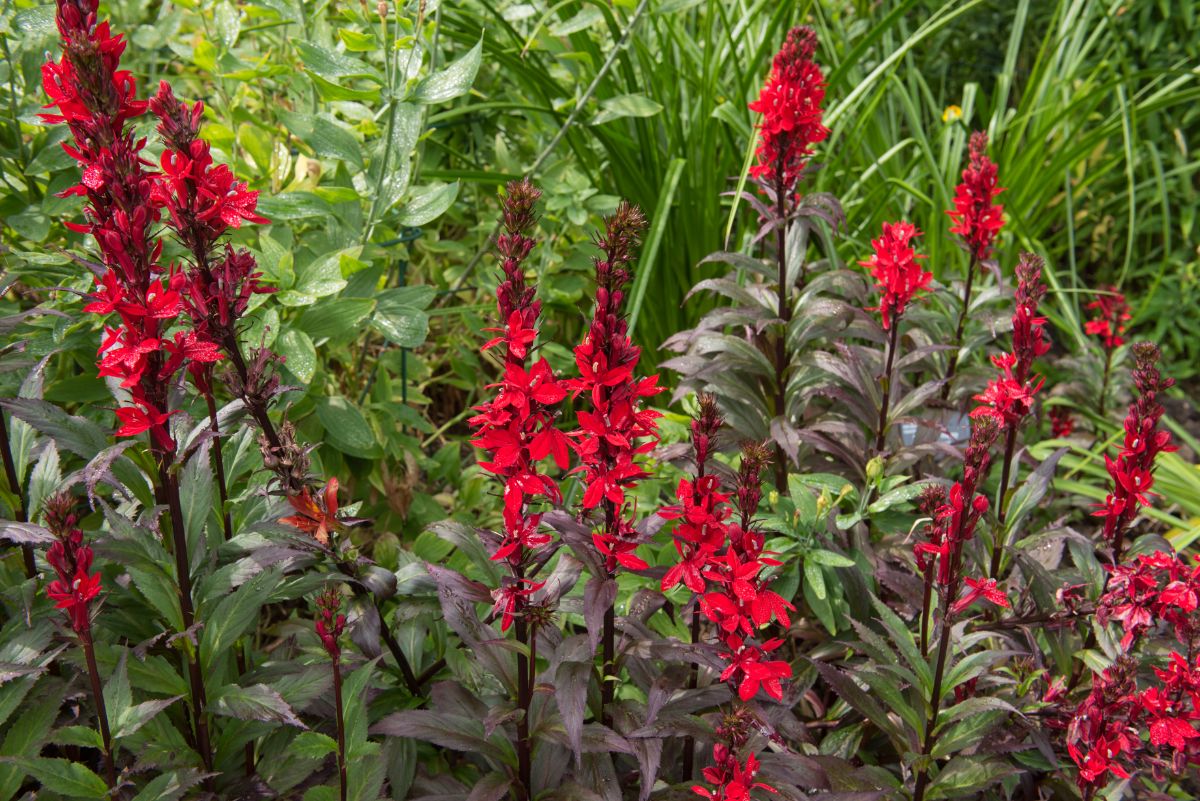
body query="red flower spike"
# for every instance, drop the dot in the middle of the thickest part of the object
(330, 622)
(977, 219)
(790, 104)
(895, 268)
(516, 428)
(76, 586)
(1112, 313)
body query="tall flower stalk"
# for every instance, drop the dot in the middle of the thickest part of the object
(614, 427)
(790, 104)
(702, 511)
(940, 558)
(1111, 315)
(97, 100)
(1009, 396)
(895, 266)
(516, 429)
(977, 220)
(73, 591)
(329, 625)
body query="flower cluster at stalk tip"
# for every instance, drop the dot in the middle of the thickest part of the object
(1111, 315)
(977, 218)
(723, 562)
(316, 516)
(1062, 423)
(896, 268)
(123, 210)
(790, 104)
(1132, 471)
(615, 429)
(955, 516)
(1009, 397)
(330, 622)
(76, 586)
(516, 428)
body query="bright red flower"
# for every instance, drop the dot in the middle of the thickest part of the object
(330, 622)
(511, 596)
(896, 269)
(1112, 312)
(981, 588)
(76, 586)
(790, 102)
(977, 219)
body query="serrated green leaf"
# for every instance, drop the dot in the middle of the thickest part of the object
(332, 66)
(312, 745)
(828, 558)
(66, 778)
(324, 136)
(233, 616)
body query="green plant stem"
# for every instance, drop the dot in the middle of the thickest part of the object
(341, 728)
(893, 342)
(1000, 541)
(785, 315)
(926, 599)
(14, 486)
(89, 653)
(169, 487)
(952, 367)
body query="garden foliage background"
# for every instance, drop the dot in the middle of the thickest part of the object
(378, 148)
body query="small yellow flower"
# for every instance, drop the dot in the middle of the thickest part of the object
(951, 114)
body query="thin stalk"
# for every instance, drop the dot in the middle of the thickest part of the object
(893, 341)
(1001, 538)
(524, 697)
(961, 329)
(608, 646)
(341, 727)
(170, 489)
(219, 464)
(926, 599)
(234, 350)
(785, 314)
(227, 524)
(689, 743)
(89, 653)
(14, 486)
(939, 673)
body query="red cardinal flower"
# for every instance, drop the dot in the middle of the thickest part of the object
(896, 270)
(790, 102)
(330, 622)
(1112, 312)
(977, 219)
(981, 588)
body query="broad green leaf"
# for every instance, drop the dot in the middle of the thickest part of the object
(117, 694)
(403, 326)
(324, 136)
(233, 616)
(815, 578)
(138, 715)
(292, 206)
(966, 775)
(70, 779)
(312, 745)
(828, 558)
(300, 357)
(332, 66)
(453, 81)
(256, 702)
(169, 786)
(345, 427)
(635, 105)
(80, 736)
(337, 318)
(427, 204)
